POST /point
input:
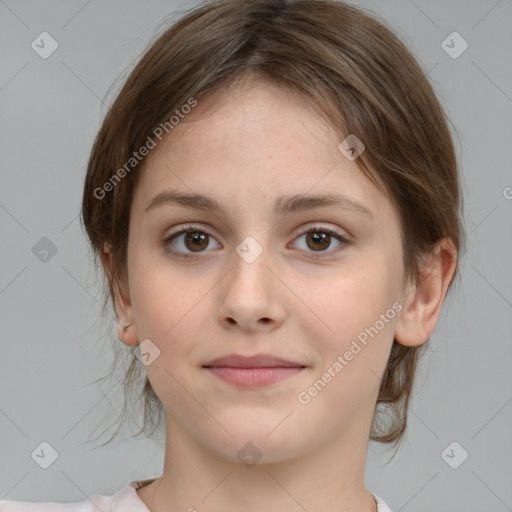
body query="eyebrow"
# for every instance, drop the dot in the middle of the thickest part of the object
(282, 205)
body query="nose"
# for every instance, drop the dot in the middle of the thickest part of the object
(251, 296)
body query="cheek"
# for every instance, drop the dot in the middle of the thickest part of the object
(172, 307)
(362, 313)
(162, 294)
(359, 314)
(164, 312)
(167, 315)
(349, 304)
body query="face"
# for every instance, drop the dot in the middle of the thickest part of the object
(313, 287)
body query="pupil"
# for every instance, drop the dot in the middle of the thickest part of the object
(196, 237)
(318, 238)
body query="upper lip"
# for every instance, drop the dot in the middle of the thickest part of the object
(257, 361)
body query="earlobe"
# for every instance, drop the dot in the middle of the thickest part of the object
(126, 331)
(127, 334)
(422, 305)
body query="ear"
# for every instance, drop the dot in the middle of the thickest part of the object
(422, 305)
(123, 306)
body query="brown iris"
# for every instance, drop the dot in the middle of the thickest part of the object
(198, 240)
(318, 237)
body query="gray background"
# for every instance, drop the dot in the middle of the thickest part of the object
(52, 345)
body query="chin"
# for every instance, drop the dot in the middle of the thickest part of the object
(252, 444)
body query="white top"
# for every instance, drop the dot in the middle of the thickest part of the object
(124, 500)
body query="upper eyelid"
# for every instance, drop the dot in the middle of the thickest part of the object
(300, 231)
(326, 256)
(342, 237)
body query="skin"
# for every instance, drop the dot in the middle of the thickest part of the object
(247, 148)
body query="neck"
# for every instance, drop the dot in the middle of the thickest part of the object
(329, 478)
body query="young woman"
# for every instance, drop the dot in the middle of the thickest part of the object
(274, 200)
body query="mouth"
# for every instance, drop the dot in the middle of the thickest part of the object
(252, 372)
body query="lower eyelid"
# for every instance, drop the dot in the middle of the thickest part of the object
(170, 238)
(316, 254)
(325, 253)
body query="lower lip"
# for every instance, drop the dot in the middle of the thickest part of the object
(254, 377)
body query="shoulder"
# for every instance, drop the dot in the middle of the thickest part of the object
(381, 504)
(124, 499)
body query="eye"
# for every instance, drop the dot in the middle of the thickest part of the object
(195, 240)
(318, 239)
(187, 241)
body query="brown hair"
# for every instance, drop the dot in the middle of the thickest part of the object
(359, 76)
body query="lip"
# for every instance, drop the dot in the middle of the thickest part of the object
(252, 371)
(256, 361)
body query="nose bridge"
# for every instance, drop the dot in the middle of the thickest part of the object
(250, 294)
(250, 260)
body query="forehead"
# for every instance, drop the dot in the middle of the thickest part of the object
(258, 138)
(271, 114)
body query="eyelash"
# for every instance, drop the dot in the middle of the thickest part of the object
(314, 255)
